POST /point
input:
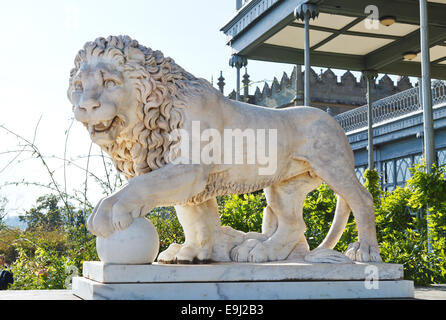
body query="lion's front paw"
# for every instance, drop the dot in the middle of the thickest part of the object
(363, 252)
(193, 254)
(101, 225)
(185, 254)
(121, 220)
(169, 255)
(121, 216)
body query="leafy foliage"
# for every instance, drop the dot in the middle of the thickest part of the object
(402, 219)
(372, 184)
(169, 228)
(46, 215)
(243, 212)
(55, 244)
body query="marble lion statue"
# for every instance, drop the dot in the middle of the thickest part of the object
(132, 99)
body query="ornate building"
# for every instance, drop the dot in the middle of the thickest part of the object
(327, 92)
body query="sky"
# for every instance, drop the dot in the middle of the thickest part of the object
(39, 40)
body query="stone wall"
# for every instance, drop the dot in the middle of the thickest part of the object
(326, 90)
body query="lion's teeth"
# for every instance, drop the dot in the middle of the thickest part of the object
(90, 128)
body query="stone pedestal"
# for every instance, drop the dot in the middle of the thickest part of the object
(242, 281)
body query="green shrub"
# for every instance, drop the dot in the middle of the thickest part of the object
(372, 184)
(41, 262)
(169, 228)
(244, 212)
(44, 256)
(318, 212)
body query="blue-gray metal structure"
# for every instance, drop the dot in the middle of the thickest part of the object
(258, 20)
(398, 133)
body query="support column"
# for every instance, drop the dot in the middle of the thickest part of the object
(426, 89)
(305, 12)
(370, 77)
(238, 62)
(429, 146)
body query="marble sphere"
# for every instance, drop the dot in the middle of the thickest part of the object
(138, 244)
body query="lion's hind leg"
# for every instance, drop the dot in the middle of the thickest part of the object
(285, 201)
(343, 181)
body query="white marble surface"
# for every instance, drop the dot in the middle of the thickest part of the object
(218, 272)
(144, 119)
(138, 244)
(92, 290)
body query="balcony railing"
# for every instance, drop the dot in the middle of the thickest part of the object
(391, 107)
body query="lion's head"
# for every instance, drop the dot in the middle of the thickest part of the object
(130, 98)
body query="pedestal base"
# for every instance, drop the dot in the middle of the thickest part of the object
(242, 281)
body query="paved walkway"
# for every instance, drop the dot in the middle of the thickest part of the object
(434, 292)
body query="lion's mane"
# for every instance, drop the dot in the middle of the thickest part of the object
(163, 88)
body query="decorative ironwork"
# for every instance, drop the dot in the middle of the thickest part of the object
(306, 9)
(402, 170)
(246, 15)
(395, 172)
(360, 174)
(391, 107)
(441, 157)
(238, 61)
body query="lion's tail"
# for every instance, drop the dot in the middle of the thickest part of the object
(340, 220)
(324, 252)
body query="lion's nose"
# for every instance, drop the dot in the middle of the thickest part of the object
(89, 105)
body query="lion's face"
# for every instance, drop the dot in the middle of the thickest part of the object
(103, 99)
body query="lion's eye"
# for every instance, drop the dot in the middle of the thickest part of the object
(78, 86)
(109, 83)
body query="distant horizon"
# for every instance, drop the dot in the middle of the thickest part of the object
(13, 221)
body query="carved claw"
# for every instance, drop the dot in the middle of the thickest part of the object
(363, 252)
(240, 253)
(121, 220)
(259, 254)
(185, 254)
(168, 255)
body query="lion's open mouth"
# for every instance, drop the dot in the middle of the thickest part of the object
(103, 126)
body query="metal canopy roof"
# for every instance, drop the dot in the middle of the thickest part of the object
(267, 30)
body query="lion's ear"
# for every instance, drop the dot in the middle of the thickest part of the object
(134, 54)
